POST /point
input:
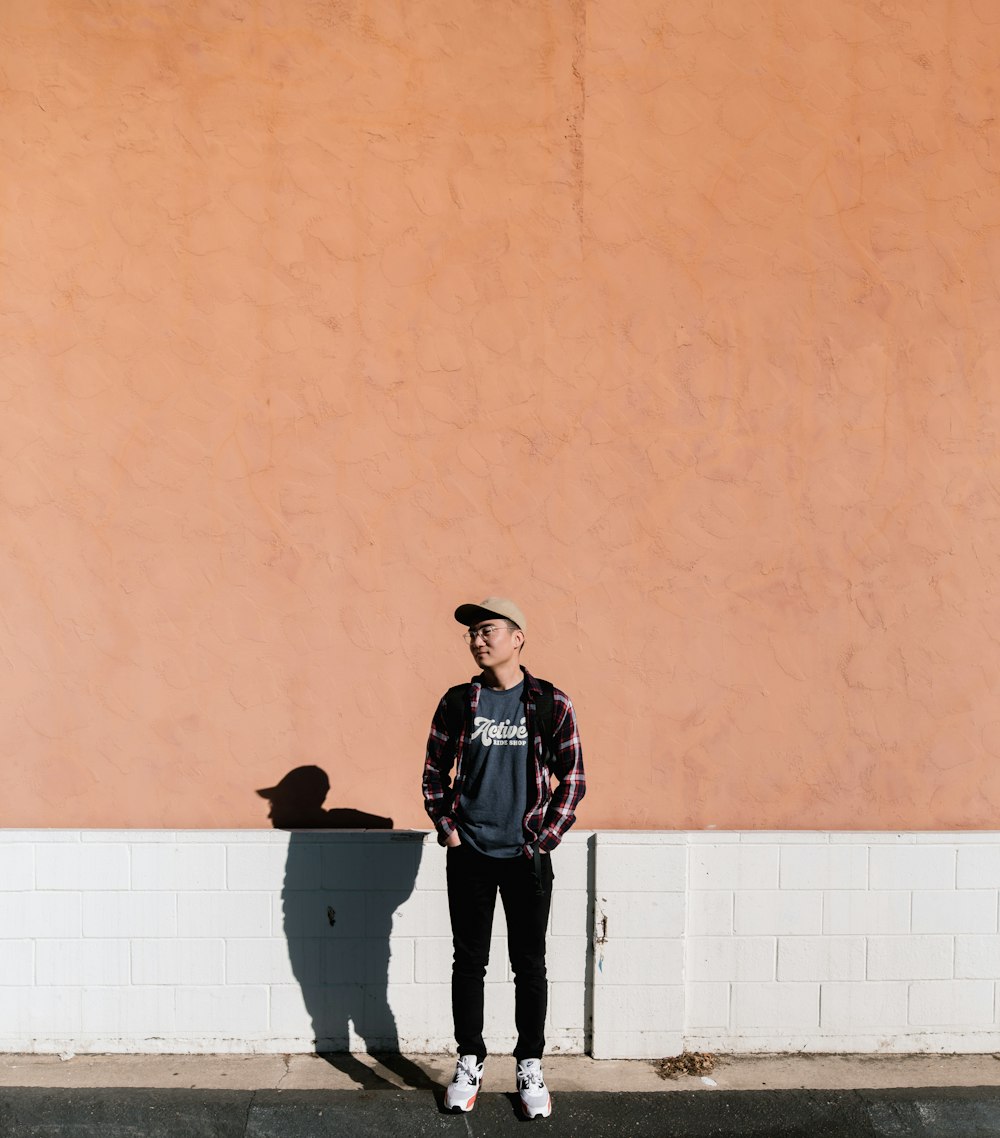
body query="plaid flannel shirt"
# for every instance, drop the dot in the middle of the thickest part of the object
(550, 814)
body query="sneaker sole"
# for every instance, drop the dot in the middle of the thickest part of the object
(538, 1111)
(458, 1106)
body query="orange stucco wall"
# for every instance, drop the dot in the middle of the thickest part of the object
(678, 322)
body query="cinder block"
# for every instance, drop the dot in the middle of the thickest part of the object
(129, 914)
(873, 837)
(730, 958)
(322, 1016)
(17, 963)
(958, 837)
(374, 862)
(76, 866)
(979, 867)
(432, 957)
(910, 957)
(498, 1013)
(180, 868)
(951, 1003)
(912, 867)
(566, 1012)
(17, 865)
(637, 1044)
(640, 868)
(640, 1008)
(348, 960)
(325, 1014)
(817, 958)
(228, 1012)
(860, 912)
(864, 1008)
(178, 961)
(424, 1010)
(221, 914)
(34, 837)
(308, 961)
(128, 1012)
(778, 912)
(568, 914)
(570, 863)
(376, 1028)
(566, 958)
(784, 837)
(822, 866)
(63, 963)
(424, 914)
(128, 836)
(955, 911)
(232, 837)
(266, 868)
(276, 960)
(635, 962)
(290, 1015)
(431, 871)
(389, 963)
(41, 1013)
(636, 837)
(636, 915)
(32, 916)
(707, 1006)
(735, 867)
(710, 913)
(977, 957)
(315, 912)
(789, 1007)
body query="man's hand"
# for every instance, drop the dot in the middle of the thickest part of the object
(453, 839)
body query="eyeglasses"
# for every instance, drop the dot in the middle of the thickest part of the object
(487, 632)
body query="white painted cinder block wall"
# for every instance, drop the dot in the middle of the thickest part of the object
(197, 941)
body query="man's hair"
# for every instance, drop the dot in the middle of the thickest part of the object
(516, 628)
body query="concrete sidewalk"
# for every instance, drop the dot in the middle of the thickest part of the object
(250, 1096)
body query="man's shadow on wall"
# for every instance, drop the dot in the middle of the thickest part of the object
(338, 899)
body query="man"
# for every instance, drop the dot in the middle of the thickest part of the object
(505, 734)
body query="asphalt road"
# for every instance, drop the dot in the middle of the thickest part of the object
(936, 1112)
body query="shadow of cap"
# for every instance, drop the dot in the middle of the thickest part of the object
(305, 784)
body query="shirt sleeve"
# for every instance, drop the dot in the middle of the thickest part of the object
(567, 766)
(437, 788)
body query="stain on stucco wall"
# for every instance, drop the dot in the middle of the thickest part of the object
(678, 322)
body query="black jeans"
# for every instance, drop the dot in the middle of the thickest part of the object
(473, 882)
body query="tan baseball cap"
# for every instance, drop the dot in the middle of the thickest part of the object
(493, 606)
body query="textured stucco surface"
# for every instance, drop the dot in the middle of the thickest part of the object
(677, 322)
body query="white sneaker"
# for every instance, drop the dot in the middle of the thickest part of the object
(536, 1102)
(464, 1087)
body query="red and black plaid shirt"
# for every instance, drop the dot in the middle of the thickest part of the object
(550, 814)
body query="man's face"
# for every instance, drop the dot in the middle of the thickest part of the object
(493, 642)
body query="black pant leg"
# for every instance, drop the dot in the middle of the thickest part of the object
(472, 896)
(526, 903)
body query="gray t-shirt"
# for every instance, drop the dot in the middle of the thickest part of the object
(495, 785)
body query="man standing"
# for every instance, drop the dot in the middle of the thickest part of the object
(505, 734)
